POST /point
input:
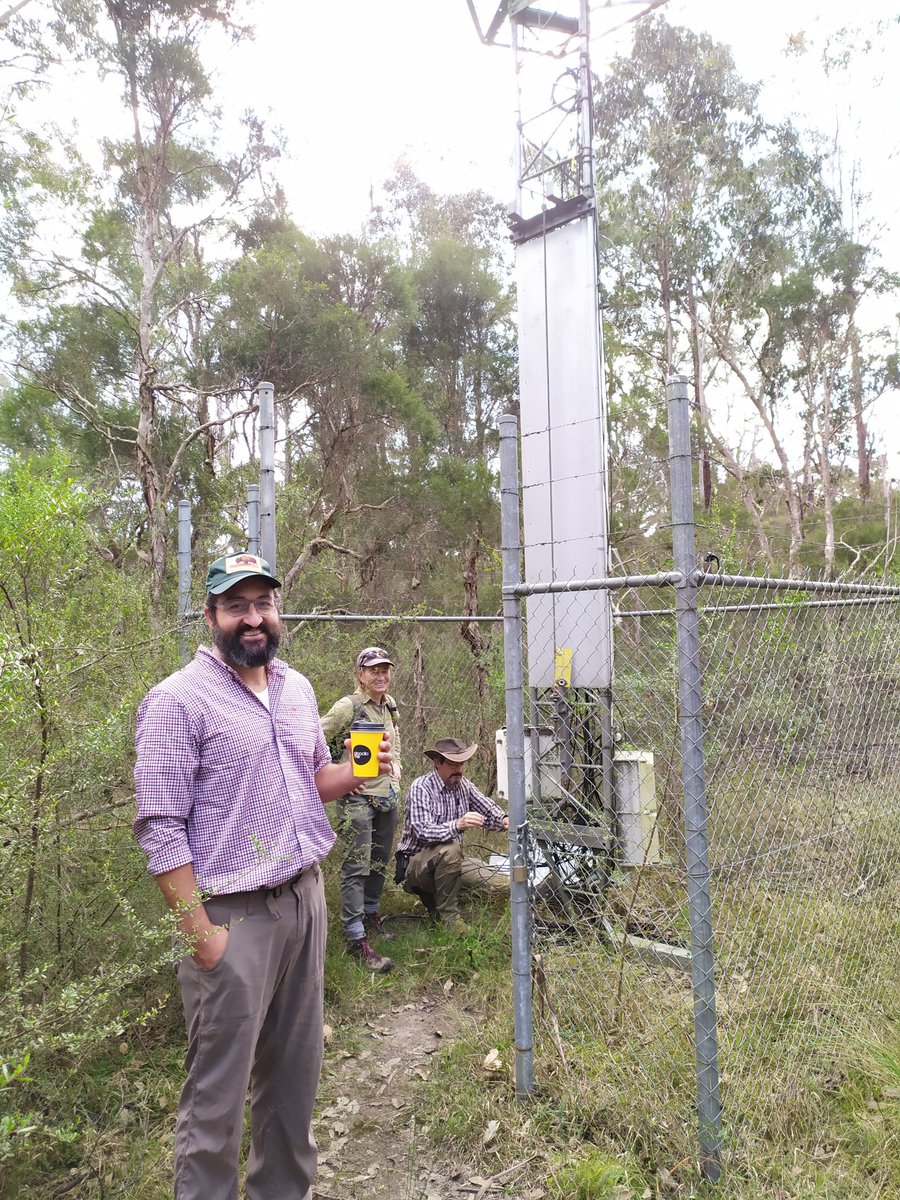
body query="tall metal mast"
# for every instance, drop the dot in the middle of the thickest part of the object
(563, 408)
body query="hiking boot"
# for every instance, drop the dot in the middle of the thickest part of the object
(454, 924)
(375, 929)
(360, 949)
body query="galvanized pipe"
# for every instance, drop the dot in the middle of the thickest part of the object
(511, 551)
(253, 518)
(266, 394)
(796, 585)
(709, 1108)
(611, 583)
(184, 576)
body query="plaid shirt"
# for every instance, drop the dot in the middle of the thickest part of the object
(432, 810)
(226, 784)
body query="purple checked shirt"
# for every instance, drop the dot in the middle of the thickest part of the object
(227, 785)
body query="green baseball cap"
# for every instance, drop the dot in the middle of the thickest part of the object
(234, 568)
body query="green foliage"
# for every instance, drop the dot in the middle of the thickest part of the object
(75, 945)
(594, 1176)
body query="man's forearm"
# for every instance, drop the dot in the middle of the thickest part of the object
(335, 780)
(179, 887)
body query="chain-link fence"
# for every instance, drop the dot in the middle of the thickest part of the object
(447, 679)
(801, 727)
(713, 851)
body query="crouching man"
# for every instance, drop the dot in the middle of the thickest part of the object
(440, 807)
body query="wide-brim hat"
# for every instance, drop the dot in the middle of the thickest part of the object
(372, 656)
(452, 749)
(234, 568)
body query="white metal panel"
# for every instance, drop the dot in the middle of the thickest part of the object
(563, 429)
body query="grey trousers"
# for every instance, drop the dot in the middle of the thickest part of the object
(368, 838)
(255, 1018)
(445, 870)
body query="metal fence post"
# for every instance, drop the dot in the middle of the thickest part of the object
(694, 781)
(266, 394)
(515, 750)
(184, 575)
(253, 518)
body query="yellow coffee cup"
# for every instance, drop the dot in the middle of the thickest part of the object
(365, 740)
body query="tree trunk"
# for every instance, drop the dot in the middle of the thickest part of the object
(825, 434)
(700, 388)
(863, 449)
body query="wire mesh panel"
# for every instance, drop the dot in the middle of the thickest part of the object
(448, 678)
(801, 733)
(612, 989)
(803, 756)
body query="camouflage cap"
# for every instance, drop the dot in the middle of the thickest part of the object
(371, 656)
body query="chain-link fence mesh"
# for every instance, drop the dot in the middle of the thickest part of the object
(801, 732)
(447, 679)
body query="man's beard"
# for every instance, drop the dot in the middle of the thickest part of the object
(234, 651)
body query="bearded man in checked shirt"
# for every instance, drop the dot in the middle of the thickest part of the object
(232, 775)
(440, 807)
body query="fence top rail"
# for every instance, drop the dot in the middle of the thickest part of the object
(715, 610)
(611, 583)
(764, 583)
(700, 579)
(363, 618)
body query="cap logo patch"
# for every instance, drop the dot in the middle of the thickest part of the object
(240, 562)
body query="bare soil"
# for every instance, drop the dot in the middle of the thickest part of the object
(369, 1122)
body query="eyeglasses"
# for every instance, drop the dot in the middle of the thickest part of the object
(265, 606)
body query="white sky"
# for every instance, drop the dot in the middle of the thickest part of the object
(358, 84)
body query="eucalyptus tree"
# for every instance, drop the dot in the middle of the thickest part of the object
(675, 126)
(711, 219)
(322, 320)
(142, 273)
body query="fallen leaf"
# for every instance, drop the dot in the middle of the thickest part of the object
(490, 1132)
(492, 1061)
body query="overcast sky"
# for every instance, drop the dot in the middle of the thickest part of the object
(360, 84)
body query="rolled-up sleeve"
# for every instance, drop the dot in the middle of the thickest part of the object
(164, 774)
(494, 816)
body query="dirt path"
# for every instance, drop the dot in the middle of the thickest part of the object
(368, 1125)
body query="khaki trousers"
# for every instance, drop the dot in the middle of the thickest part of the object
(367, 834)
(444, 870)
(255, 1018)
